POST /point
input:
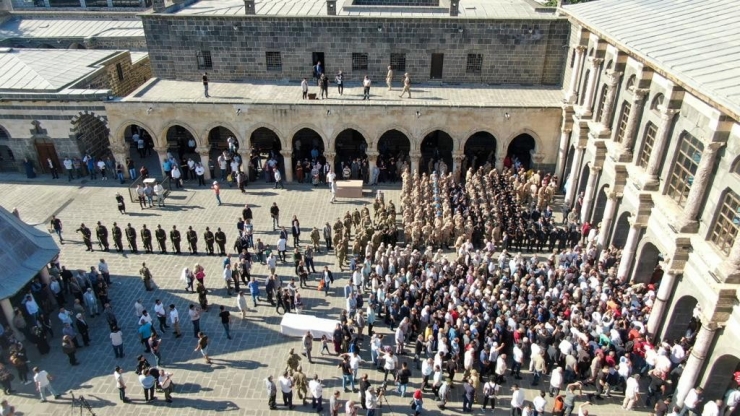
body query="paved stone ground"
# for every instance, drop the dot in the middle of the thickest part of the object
(234, 383)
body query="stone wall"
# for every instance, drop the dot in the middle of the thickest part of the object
(124, 43)
(513, 51)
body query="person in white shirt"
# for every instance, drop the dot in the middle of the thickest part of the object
(43, 383)
(539, 403)
(427, 369)
(331, 177)
(711, 408)
(556, 381)
(286, 387)
(317, 391)
(631, 392)
(732, 399)
(175, 320)
(120, 384)
(517, 399)
(517, 357)
(692, 400)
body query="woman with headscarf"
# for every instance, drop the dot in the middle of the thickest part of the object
(187, 277)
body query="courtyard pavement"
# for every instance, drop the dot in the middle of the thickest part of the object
(234, 383)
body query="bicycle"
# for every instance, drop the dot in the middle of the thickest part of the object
(82, 403)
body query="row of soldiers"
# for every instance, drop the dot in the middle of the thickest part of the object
(212, 240)
(428, 214)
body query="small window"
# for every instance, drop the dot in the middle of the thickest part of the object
(475, 63)
(398, 62)
(631, 82)
(647, 145)
(359, 62)
(657, 102)
(274, 61)
(204, 60)
(725, 229)
(119, 71)
(687, 163)
(623, 118)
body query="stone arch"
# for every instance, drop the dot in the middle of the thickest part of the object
(599, 206)
(683, 312)
(163, 139)
(479, 148)
(206, 134)
(522, 146)
(657, 101)
(76, 45)
(584, 83)
(583, 179)
(394, 143)
(309, 139)
(621, 230)
(349, 144)
(427, 132)
(217, 138)
(631, 82)
(288, 141)
(273, 130)
(124, 132)
(7, 158)
(645, 268)
(720, 377)
(92, 133)
(176, 137)
(435, 146)
(368, 137)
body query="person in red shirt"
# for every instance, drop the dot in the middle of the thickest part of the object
(217, 191)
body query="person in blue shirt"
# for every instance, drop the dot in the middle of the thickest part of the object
(167, 167)
(254, 289)
(145, 331)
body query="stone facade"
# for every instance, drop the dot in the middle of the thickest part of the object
(657, 167)
(513, 51)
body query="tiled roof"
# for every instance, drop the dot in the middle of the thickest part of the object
(697, 42)
(70, 28)
(47, 70)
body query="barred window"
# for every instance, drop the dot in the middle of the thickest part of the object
(647, 145)
(274, 61)
(623, 117)
(119, 71)
(359, 62)
(687, 162)
(398, 62)
(204, 59)
(475, 63)
(725, 228)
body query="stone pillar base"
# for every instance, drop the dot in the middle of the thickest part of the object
(648, 183)
(621, 155)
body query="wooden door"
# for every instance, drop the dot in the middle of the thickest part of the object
(46, 150)
(437, 63)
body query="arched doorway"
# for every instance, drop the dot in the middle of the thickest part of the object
(520, 149)
(218, 138)
(394, 144)
(480, 148)
(647, 260)
(307, 144)
(599, 207)
(621, 230)
(141, 157)
(7, 158)
(437, 146)
(180, 142)
(92, 135)
(720, 377)
(349, 145)
(582, 183)
(683, 313)
(265, 144)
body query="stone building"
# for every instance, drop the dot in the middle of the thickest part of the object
(650, 138)
(52, 101)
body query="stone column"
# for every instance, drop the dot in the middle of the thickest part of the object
(110, 3)
(45, 276)
(415, 160)
(695, 362)
(687, 221)
(630, 132)
(628, 251)
(161, 156)
(205, 154)
(609, 210)
(650, 180)
(563, 147)
(572, 95)
(8, 312)
(287, 165)
(664, 292)
(612, 79)
(372, 156)
(330, 159)
(120, 153)
(456, 161)
(82, 4)
(588, 195)
(588, 99)
(575, 168)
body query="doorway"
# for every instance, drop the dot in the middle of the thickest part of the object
(437, 64)
(317, 57)
(46, 150)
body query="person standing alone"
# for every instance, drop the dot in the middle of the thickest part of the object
(366, 88)
(205, 84)
(406, 85)
(389, 77)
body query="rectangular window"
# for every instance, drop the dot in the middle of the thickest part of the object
(725, 229)
(623, 117)
(647, 145)
(119, 71)
(398, 62)
(602, 102)
(682, 174)
(204, 59)
(359, 62)
(273, 61)
(474, 64)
